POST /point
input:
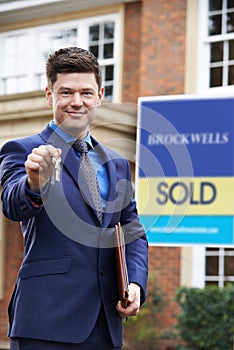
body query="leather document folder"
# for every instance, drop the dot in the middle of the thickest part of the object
(121, 265)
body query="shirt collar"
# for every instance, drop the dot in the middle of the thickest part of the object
(67, 137)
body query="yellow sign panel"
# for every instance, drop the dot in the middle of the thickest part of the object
(186, 196)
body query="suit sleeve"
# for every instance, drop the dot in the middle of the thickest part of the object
(135, 240)
(16, 203)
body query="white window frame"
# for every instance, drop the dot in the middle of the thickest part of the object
(82, 25)
(198, 267)
(220, 279)
(203, 53)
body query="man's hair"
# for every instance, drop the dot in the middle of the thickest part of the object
(72, 60)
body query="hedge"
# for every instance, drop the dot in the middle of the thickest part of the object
(206, 318)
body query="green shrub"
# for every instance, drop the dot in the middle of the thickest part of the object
(206, 318)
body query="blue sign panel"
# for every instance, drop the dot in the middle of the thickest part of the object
(185, 174)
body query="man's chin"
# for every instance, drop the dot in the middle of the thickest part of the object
(74, 127)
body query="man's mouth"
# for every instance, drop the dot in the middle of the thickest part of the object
(75, 114)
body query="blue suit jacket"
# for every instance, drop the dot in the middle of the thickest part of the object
(69, 267)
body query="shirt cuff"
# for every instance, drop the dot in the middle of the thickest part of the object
(37, 198)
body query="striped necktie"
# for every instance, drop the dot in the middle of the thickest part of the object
(89, 174)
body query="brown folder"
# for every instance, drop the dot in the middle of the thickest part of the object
(122, 272)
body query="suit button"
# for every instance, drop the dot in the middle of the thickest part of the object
(101, 271)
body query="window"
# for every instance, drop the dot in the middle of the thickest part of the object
(22, 60)
(219, 266)
(217, 44)
(50, 39)
(14, 63)
(101, 44)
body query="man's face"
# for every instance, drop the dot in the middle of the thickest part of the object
(74, 98)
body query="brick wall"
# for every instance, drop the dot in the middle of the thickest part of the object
(154, 48)
(131, 57)
(165, 262)
(13, 258)
(154, 60)
(162, 56)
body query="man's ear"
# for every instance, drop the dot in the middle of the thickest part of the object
(49, 96)
(100, 96)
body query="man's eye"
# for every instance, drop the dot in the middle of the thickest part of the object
(65, 92)
(87, 93)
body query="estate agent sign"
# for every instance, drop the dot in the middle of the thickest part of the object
(185, 169)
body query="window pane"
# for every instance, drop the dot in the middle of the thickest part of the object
(95, 50)
(109, 30)
(94, 33)
(216, 52)
(22, 44)
(231, 75)
(108, 50)
(109, 73)
(215, 5)
(23, 84)
(9, 66)
(215, 24)
(40, 81)
(212, 266)
(229, 266)
(44, 41)
(72, 34)
(66, 37)
(211, 284)
(216, 76)
(50, 40)
(108, 92)
(230, 4)
(11, 85)
(230, 22)
(231, 50)
(228, 283)
(21, 65)
(10, 44)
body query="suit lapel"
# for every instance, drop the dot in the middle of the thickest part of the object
(69, 160)
(70, 163)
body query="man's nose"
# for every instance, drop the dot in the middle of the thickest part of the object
(77, 99)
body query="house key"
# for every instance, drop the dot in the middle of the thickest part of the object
(57, 170)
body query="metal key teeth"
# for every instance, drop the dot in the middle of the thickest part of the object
(57, 170)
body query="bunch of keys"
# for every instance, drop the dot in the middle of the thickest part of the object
(57, 170)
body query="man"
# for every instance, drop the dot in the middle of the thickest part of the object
(66, 295)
